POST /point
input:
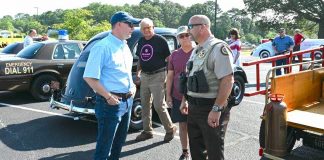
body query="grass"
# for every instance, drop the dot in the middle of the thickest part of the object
(246, 52)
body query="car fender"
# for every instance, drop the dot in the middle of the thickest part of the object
(239, 71)
(264, 46)
(47, 71)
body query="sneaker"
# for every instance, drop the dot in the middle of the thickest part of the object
(170, 135)
(144, 136)
(185, 156)
(205, 154)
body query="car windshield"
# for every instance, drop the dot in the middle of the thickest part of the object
(10, 48)
(30, 51)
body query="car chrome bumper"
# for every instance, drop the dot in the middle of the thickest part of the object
(71, 108)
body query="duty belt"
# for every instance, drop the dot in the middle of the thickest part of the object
(156, 71)
(201, 101)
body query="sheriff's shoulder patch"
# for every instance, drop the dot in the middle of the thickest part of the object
(225, 51)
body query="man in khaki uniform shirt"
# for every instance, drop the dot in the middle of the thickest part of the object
(208, 113)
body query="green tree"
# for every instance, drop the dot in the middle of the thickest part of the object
(24, 23)
(51, 17)
(80, 24)
(170, 12)
(76, 22)
(252, 38)
(97, 28)
(224, 24)
(289, 10)
(207, 8)
(102, 12)
(146, 10)
(6, 23)
(308, 28)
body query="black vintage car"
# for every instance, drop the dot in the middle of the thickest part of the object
(78, 97)
(35, 66)
(13, 48)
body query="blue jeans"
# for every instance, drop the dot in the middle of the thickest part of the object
(280, 62)
(113, 123)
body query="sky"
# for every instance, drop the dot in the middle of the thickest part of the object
(12, 7)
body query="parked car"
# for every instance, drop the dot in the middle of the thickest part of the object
(265, 50)
(35, 66)
(12, 49)
(79, 97)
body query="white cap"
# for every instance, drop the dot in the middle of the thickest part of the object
(182, 29)
(297, 30)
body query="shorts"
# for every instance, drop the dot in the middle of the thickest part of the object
(176, 115)
(296, 48)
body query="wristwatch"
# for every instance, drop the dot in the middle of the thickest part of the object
(217, 108)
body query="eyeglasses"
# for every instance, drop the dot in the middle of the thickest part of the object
(190, 26)
(131, 25)
(147, 28)
(183, 35)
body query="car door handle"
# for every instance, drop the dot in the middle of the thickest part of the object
(60, 65)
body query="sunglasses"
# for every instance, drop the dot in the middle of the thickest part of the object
(190, 26)
(183, 35)
(131, 25)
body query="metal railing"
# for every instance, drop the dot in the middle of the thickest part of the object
(271, 74)
(289, 58)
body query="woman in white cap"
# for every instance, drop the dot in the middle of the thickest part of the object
(176, 65)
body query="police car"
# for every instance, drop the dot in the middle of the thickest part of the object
(78, 97)
(35, 66)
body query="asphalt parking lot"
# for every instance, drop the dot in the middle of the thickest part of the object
(30, 130)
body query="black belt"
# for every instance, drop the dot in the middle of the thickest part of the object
(124, 96)
(156, 71)
(201, 101)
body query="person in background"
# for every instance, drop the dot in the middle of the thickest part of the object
(281, 44)
(109, 73)
(209, 85)
(235, 45)
(176, 65)
(298, 38)
(153, 51)
(44, 37)
(29, 38)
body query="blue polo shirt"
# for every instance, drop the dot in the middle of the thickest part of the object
(282, 43)
(110, 61)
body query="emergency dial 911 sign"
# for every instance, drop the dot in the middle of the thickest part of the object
(19, 68)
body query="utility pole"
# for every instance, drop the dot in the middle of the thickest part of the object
(215, 17)
(36, 11)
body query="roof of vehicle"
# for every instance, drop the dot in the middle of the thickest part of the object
(13, 48)
(137, 32)
(62, 41)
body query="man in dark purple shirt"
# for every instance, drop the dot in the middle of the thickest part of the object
(153, 50)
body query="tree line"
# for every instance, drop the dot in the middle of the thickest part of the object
(260, 19)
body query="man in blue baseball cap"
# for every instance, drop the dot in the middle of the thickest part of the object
(109, 73)
(124, 17)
